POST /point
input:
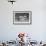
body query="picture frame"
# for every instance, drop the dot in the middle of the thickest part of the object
(22, 17)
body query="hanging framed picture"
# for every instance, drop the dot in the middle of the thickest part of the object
(22, 17)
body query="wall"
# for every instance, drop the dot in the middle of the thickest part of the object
(9, 31)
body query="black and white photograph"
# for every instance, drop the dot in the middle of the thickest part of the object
(22, 17)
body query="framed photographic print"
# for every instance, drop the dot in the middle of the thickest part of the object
(22, 17)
